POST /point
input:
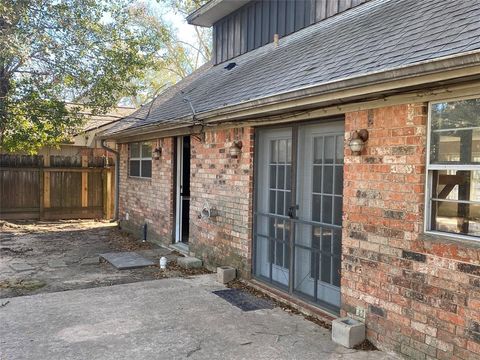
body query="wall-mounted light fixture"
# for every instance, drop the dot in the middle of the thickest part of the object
(236, 148)
(157, 153)
(357, 141)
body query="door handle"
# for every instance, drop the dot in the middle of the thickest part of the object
(292, 211)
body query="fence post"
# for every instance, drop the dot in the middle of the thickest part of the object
(107, 192)
(45, 186)
(41, 201)
(84, 182)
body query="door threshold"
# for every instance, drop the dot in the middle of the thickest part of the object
(181, 247)
(295, 302)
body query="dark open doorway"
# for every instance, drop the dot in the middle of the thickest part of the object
(182, 190)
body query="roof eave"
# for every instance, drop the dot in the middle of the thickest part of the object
(445, 68)
(212, 11)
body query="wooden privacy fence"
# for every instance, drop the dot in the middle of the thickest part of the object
(32, 189)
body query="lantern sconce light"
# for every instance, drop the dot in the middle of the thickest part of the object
(236, 148)
(358, 140)
(157, 152)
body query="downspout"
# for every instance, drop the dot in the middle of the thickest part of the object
(117, 175)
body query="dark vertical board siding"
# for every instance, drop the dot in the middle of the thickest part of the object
(332, 7)
(281, 22)
(321, 9)
(231, 37)
(266, 22)
(251, 28)
(218, 50)
(299, 15)
(244, 30)
(224, 41)
(290, 17)
(214, 44)
(258, 24)
(254, 24)
(273, 18)
(344, 5)
(238, 35)
(357, 2)
(307, 13)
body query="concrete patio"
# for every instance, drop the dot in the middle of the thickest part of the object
(173, 318)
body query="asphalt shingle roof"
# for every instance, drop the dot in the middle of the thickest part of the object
(377, 36)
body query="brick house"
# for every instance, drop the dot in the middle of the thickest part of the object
(330, 152)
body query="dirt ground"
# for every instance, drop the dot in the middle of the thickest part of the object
(38, 257)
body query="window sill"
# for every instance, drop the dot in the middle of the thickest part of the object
(444, 239)
(139, 178)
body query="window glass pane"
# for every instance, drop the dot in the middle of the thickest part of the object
(327, 209)
(458, 218)
(146, 150)
(456, 114)
(316, 211)
(317, 179)
(146, 168)
(281, 177)
(288, 177)
(327, 240)
(455, 146)
(326, 265)
(329, 149)
(280, 203)
(455, 136)
(274, 151)
(328, 180)
(339, 150)
(339, 180)
(318, 150)
(134, 168)
(282, 151)
(289, 151)
(456, 185)
(272, 202)
(135, 150)
(337, 213)
(273, 176)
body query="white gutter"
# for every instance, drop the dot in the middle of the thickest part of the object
(441, 69)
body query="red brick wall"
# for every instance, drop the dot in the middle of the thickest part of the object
(149, 200)
(226, 183)
(420, 294)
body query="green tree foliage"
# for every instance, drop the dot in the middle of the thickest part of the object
(84, 51)
(177, 58)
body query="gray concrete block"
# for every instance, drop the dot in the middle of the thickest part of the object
(225, 274)
(189, 262)
(348, 332)
(126, 260)
(19, 267)
(56, 263)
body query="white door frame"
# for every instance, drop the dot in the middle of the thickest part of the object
(178, 190)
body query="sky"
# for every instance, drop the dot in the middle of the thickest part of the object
(185, 31)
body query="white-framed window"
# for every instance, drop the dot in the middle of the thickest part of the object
(140, 160)
(453, 168)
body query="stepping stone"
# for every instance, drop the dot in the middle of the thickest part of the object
(90, 261)
(126, 260)
(19, 267)
(188, 262)
(56, 263)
